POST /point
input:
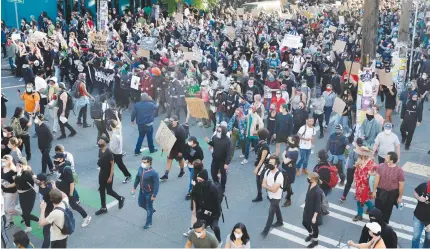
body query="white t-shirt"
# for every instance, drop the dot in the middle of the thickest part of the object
(297, 63)
(40, 83)
(270, 179)
(56, 218)
(386, 143)
(69, 157)
(307, 133)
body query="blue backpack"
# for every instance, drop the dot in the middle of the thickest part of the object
(69, 220)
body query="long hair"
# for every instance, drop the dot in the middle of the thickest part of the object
(245, 235)
(17, 113)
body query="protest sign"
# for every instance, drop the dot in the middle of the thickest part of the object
(188, 56)
(339, 46)
(148, 43)
(332, 29)
(338, 3)
(428, 14)
(197, 108)
(143, 53)
(135, 82)
(385, 78)
(341, 20)
(37, 36)
(16, 37)
(354, 68)
(179, 17)
(99, 75)
(292, 41)
(255, 12)
(231, 31)
(165, 137)
(100, 42)
(286, 16)
(339, 106)
(240, 11)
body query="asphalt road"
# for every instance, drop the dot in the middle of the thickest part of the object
(123, 228)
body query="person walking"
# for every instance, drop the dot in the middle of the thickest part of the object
(44, 189)
(317, 105)
(20, 125)
(350, 167)
(83, 100)
(274, 192)
(312, 213)
(329, 97)
(148, 179)
(375, 233)
(64, 104)
(389, 185)
(106, 164)
(422, 215)
(283, 127)
(289, 160)
(9, 191)
(44, 141)
(307, 142)
(253, 123)
(337, 143)
(200, 237)
(411, 117)
(143, 116)
(369, 129)
(263, 153)
(193, 152)
(385, 142)
(116, 144)
(238, 238)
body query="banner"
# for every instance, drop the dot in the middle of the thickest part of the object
(339, 106)
(165, 137)
(197, 108)
(101, 75)
(99, 42)
(240, 11)
(292, 41)
(148, 43)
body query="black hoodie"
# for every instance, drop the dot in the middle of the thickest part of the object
(387, 233)
(222, 147)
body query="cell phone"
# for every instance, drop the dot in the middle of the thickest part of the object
(19, 91)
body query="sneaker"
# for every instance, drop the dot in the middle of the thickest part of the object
(321, 136)
(274, 225)
(244, 161)
(403, 140)
(155, 150)
(136, 154)
(86, 125)
(343, 199)
(241, 156)
(357, 218)
(101, 211)
(73, 134)
(79, 123)
(61, 137)
(264, 234)
(181, 174)
(187, 233)
(86, 221)
(50, 173)
(188, 197)
(313, 244)
(127, 179)
(304, 171)
(10, 225)
(78, 202)
(164, 177)
(341, 184)
(297, 172)
(220, 244)
(21, 79)
(147, 226)
(28, 229)
(121, 202)
(309, 238)
(406, 147)
(287, 203)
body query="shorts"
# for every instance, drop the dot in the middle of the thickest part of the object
(281, 139)
(174, 155)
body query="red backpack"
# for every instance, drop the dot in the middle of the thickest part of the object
(334, 177)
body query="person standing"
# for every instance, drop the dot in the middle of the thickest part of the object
(31, 99)
(44, 141)
(317, 105)
(143, 115)
(411, 117)
(200, 237)
(389, 185)
(9, 191)
(263, 153)
(274, 192)
(149, 182)
(385, 142)
(221, 155)
(21, 240)
(116, 144)
(193, 152)
(312, 212)
(422, 215)
(238, 238)
(40, 85)
(20, 125)
(64, 105)
(83, 94)
(350, 167)
(106, 164)
(44, 189)
(369, 129)
(4, 236)
(289, 160)
(253, 123)
(337, 143)
(176, 153)
(329, 97)
(283, 127)
(307, 142)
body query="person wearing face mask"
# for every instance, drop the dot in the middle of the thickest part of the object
(329, 97)
(148, 179)
(221, 155)
(272, 85)
(192, 152)
(7, 134)
(44, 188)
(200, 237)
(422, 215)
(278, 101)
(253, 123)
(116, 145)
(387, 233)
(411, 117)
(283, 127)
(251, 90)
(337, 143)
(238, 238)
(20, 125)
(385, 142)
(263, 153)
(9, 191)
(369, 129)
(31, 100)
(21, 240)
(106, 163)
(44, 141)
(312, 213)
(64, 104)
(376, 241)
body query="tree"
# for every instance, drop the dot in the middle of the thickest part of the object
(370, 31)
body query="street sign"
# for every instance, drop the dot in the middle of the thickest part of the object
(16, 1)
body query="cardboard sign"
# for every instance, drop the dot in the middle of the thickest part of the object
(341, 20)
(332, 29)
(240, 11)
(255, 12)
(197, 108)
(386, 79)
(231, 31)
(339, 46)
(428, 14)
(339, 106)
(359, 30)
(148, 43)
(135, 82)
(292, 41)
(179, 17)
(354, 69)
(143, 53)
(286, 16)
(100, 42)
(165, 137)
(37, 36)
(188, 56)
(183, 48)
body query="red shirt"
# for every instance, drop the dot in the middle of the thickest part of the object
(278, 103)
(389, 177)
(273, 85)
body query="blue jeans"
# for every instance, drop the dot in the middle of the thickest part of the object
(343, 120)
(145, 202)
(327, 112)
(418, 230)
(148, 131)
(58, 73)
(360, 210)
(304, 158)
(191, 178)
(11, 63)
(248, 142)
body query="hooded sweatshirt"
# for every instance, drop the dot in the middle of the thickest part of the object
(222, 147)
(387, 232)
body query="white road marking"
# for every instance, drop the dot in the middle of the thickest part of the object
(5, 77)
(407, 198)
(415, 168)
(292, 238)
(8, 87)
(112, 204)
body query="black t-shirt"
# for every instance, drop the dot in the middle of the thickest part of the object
(8, 177)
(422, 211)
(44, 194)
(104, 162)
(23, 122)
(262, 146)
(65, 178)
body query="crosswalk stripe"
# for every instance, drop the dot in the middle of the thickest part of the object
(305, 232)
(292, 238)
(362, 224)
(407, 198)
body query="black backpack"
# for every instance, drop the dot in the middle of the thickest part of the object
(70, 105)
(96, 110)
(285, 184)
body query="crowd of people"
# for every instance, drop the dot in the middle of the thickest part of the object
(257, 91)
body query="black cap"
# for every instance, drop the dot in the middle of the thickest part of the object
(42, 177)
(105, 138)
(59, 155)
(193, 139)
(174, 118)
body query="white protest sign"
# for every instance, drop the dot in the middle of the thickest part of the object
(292, 41)
(231, 31)
(338, 3)
(341, 20)
(135, 82)
(179, 17)
(16, 37)
(165, 137)
(100, 42)
(240, 11)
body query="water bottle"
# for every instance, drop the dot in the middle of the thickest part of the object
(133, 195)
(401, 206)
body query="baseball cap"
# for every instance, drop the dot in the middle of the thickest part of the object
(42, 177)
(192, 139)
(174, 118)
(338, 127)
(59, 155)
(388, 126)
(374, 227)
(53, 79)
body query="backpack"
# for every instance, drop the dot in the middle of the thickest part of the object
(96, 110)
(75, 90)
(16, 126)
(334, 178)
(69, 220)
(70, 105)
(285, 183)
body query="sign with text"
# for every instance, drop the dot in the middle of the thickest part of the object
(143, 53)
(240, 11)
(165, 137)
(197, 108)
(292, 41)
(100, 41)
(339, 106)
(354, 68)
(148, 43)
(339, 46)
(135, 82)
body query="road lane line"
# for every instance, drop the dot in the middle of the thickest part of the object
(112, 204)
(407, 198)
(292, 238)
(8, 87)
(5, 77)
(305, 232)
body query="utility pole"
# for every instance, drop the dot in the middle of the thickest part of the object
(405, 18)
(370, 24)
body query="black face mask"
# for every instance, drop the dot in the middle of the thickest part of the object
(57, 162)
(100, 145)
(270, 166)
(369, 117)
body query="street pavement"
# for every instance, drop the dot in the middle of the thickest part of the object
(123, 228)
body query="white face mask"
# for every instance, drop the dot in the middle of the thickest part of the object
(388, 132)
(238, 235)
(4, 134)
(190, 144)
(143, 165)
(218, 134)
(199, 235)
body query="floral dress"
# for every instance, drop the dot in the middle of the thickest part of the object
(361, 178)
